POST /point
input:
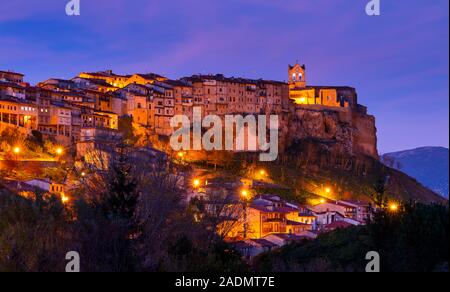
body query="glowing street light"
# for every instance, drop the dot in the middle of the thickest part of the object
(246, 202)
(196, 183)
(59, 151)
(302, 100)
(393, 207)
(262, 172)
(180, 154)
(244, 194)
(83, 174)
(64, 199)
(322, 201)
(17, 150)
(328, 190)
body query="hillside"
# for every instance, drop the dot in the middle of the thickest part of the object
(429, 165)
(352, 177)
(308, 169)
(408, 188)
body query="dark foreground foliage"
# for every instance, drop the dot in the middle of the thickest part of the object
(127, 217)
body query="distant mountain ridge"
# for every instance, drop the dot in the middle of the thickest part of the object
(428, 165)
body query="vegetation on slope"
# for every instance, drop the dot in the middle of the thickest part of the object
(308, 169)
(31, 146)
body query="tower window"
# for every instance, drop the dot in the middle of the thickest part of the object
(294, 77)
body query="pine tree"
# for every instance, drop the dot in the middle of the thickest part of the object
(122, 194)
(380, 199)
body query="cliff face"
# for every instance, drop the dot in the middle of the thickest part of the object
(340, 130)
(364, 134)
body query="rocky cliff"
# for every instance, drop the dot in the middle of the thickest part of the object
(339, 130)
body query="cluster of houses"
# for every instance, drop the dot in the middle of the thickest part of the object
(66, 109)
(272, 222)
(59, 109)
(262, 222)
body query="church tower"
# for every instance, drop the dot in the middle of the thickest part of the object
(297, 76)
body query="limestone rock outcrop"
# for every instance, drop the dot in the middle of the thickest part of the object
(338, 129)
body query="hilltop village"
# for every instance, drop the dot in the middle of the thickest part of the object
(85, 112)
(68, 110)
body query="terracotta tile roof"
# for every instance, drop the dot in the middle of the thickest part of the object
(337, 225)
(11, 84)
(290, 237)
(95, 81)
(272, 209)
(264, 243)
(242, 245)
(239, 80)
(179, 83)
(150, 76)
(293, 66)
(16, 100)
(295, 223)
(138, 85)
(306, 215)
(11, 72)
(355, 203)
(106, 74)
(330, 87)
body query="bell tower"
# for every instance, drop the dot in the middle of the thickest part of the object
(297, 76)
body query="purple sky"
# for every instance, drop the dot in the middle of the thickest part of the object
(397, 61)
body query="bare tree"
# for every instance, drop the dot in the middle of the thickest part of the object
(222, 213)
(161, 199)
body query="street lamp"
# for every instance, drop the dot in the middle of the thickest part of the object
(59, 151)
(17, 150)
(328, 190)
(245, 197)
(64, 199)
(196, 183)
(393, 207)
